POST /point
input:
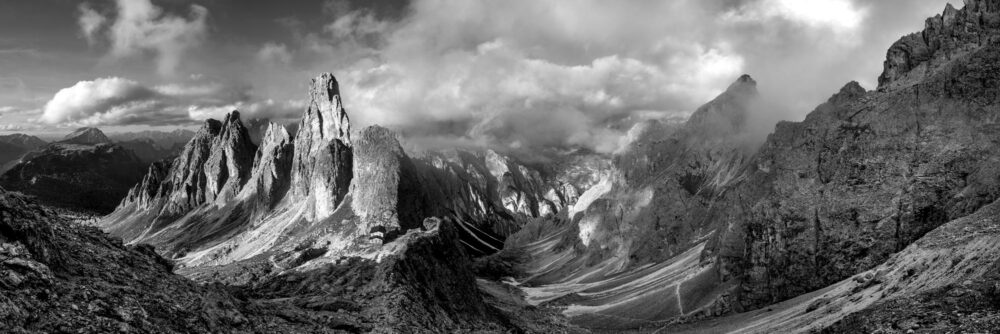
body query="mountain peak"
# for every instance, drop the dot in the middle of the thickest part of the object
(743, 84)
(324, 104)
(86, 136)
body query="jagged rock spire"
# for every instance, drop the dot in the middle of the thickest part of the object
(325, 106)
(321, 164)
(213, 166)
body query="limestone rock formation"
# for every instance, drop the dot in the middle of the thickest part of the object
(386, 194)
(323, 193)
(269, 178)
(214, 165)
(321, 164)
(946, 37)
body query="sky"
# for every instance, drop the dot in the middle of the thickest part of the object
(514, 73)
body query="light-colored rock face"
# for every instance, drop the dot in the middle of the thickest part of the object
(270, 179)
(213, 167)
(321, 165)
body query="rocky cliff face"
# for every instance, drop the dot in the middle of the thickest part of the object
(867, 173)
(386, 194)
(321, 165)
(214, 165)
(727, 229)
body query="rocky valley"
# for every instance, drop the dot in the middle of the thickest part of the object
(877, 213)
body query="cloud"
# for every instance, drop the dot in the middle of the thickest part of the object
(90, 22)
(275, 53)
(141, 27)
(523, 73)
(120, 101)
(16, 127)
(840, 15)
(91, 101)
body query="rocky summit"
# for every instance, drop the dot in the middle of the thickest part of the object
(877, 212)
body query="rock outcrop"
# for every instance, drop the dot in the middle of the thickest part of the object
(386, 194)
(945, 38)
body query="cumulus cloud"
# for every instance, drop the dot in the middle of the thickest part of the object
(101, 99)
(120, 101)
(140, 27)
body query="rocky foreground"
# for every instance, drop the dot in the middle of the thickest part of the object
(58, 276)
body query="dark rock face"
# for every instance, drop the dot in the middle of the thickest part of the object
(82, 177)
(386, 194)
(868, 173)
(950, 35)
